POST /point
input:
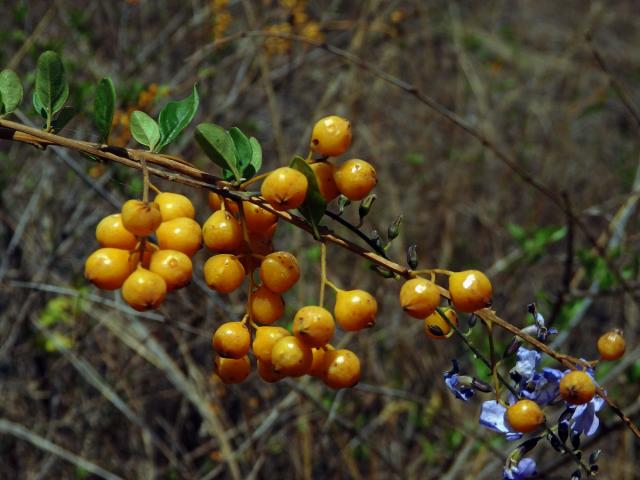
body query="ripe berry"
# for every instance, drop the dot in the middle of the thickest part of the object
(266, 306)
(108, 268)
(265, 339)
(313, 325)
(437, 327)
(258, 219)
(215, 201)
(110, 232)
(222, 232)
(355, 310)
(611, 345)
(267, 372)
(173, 266)
(341, 369)
(317, 364)
(291, 357)
(470, 290)
(182, 234)
(285, 188)
(324, 172)
(174, 205)
(331, 136)
(279, 271)
(419, 297)
(144, 290)
(223, 273)
(141, 218)
(355, 179)
(577, 387)
(232, 370)
(232, 340)
(525, 416)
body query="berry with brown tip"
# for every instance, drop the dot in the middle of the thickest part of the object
(279, 271)
(173, 266)
(577, 387)
(266, 306)
(313, 325)
(223, 273)
(355, 178)
(291, 357)
(470, 290)
(110, 232)
(285, 188)
(525, 416)
(182, 234)
(341, 368)
(232, 340)
(231, 370)
(355, 310)
(108, 268)
(265, 339)
(141, 218)
(611, 345)
(419, 297)
(222, 232)
(174, 205)
(331, 136)
(144, 290)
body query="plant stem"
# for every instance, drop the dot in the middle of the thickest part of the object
(323, 271)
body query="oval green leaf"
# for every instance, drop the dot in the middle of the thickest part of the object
(219, 147)
(10, 91)
(144, 129)
(52, 89)
(175, 116)
(314, 205)
(104, 107)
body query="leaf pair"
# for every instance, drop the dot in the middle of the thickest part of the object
(52, 89)
(174, 117)
(10, 92)
(239, 157)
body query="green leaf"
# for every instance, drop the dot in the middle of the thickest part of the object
(38, 107)
(10, 91)
(64, 116)
(144, 129)
(175, 116)
(219, 147)
(104, 107)
(256, 156)
(242, 146)
(314, 205)
(52, 89)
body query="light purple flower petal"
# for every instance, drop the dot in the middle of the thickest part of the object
(492, 416)
(528, 361)
(526, 468)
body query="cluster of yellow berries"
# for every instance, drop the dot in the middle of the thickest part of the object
(144, 270)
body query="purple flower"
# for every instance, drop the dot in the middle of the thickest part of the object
(584, 417)
(458, 384)
(526, 468)
(492, 416)
(527, 364)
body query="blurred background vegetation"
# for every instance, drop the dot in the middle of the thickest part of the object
(83, 379)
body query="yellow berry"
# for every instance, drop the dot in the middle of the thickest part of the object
(267, 372)
(525, 416)
(437, 327)
(324, 172)
(331, 136)
(265, 339)
(266, 306)
(222, 232)
(108, 268)
(174, 205)
(110, 232)
(355, 310)
(279, 271)
(290, 356)
(232, 340)
(611, 345)
(258, 219)
(577, 387)
(285, 188)
(419, 297)
(313, 325)
(341, 368)
(141, 218)
(223, 273)
(317, 364)
(173, 266)
(182, 234)
(470, 290)
(144, 290)
(215, 201)
(355, 179)
(231, 370)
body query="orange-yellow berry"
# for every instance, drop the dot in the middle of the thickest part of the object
(324, 172)
(279, 271)
(214, 200)
(313, 325)
(341, 368)
(437, 327)
(355, 179)
(258, 219)
(577, 387)
(174, 205)
(231, 370)
(267, 372)
(611, 345)
(266, 306)
(331, 136)
(317, 364)
(182, 234)
(470, 290)
(110, 232)
(285, 188)
(144, 290)
(232, 340)
(525, 416)
(141, 218)
(419, 297)
(265, 339)
(223, 273)
(173, 266)
(355, 310)
(222, 232)
(291, 357)
(108, 268)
